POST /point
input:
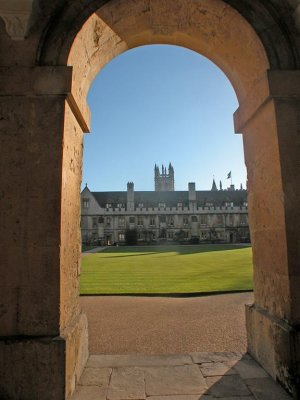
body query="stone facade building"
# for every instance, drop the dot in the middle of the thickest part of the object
(165, 215)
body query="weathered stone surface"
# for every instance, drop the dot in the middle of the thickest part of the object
(234, 398)
(126, 383)
(182, 397)
(95, 377)
(267, 389)
(216, 369)
(176, 383)
(186, 379)
(248, 369)
(205, 357)
(273, 344)
(44, 362)
(89, 393)
(76, 353)
(34, 267)
(137, 360)
(227, 386)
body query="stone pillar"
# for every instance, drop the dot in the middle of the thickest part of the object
(43, 334)
(270, 121)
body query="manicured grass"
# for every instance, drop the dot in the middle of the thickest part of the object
(167, 269)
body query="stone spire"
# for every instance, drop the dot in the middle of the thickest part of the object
(214, 186)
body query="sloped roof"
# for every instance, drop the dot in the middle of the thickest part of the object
(152, 198)
(104, 198)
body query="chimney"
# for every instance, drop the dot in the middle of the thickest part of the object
(192, 196)
(130, 196)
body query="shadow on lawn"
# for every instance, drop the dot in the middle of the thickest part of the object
(180, 250)
(128, 254)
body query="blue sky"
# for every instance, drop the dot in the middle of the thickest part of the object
(161, 104)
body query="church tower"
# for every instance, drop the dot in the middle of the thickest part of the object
(164, 181)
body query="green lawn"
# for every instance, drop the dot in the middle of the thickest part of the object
(167, 269)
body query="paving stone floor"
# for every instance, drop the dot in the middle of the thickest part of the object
(206, 376)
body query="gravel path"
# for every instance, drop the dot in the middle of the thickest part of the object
(158, 325)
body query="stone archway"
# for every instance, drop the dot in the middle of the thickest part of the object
(47, 97)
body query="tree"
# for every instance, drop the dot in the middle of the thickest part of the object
(131, 237)
(180, 235)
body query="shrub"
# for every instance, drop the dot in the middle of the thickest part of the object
(131, 237)
(195, 240)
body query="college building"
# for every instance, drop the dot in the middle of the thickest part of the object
(165, 215)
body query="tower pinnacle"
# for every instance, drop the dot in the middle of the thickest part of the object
(164, 181)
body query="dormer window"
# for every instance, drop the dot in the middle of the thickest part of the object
(86, 203)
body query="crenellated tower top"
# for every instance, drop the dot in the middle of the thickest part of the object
(164, 180)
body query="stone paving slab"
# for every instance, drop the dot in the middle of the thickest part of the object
(95, 377)
(248, 369)
(216, 369)
(90, 393)
(205, 357)
(185, 379)
(183, 397)
(231, 398)
(137, 360)
(266, 389)
(225, 386)
(212, 376)
(127, 383)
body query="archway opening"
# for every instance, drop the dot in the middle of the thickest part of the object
(220, 34)
(155, 103)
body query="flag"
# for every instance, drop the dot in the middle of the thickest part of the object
(229, 175)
